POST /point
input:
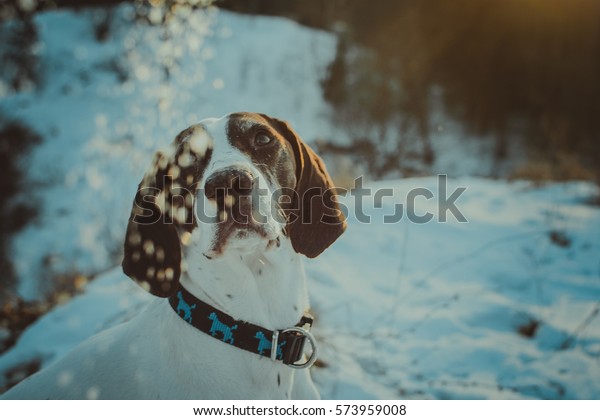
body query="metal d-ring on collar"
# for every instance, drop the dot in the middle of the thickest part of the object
(313, 343)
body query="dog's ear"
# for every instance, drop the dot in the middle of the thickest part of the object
(161, 216)
(315, 219)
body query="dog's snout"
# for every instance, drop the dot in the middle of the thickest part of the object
(231, 181)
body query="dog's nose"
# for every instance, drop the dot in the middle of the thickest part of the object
(232, 181)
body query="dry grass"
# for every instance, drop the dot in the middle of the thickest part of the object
(563, 167)
(16, 314)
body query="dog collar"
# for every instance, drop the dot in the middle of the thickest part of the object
(288, 343)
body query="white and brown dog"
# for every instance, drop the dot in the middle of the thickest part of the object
(217, 227)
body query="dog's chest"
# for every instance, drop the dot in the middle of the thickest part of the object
(266, 290)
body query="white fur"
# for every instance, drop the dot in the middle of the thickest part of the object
(158, 355)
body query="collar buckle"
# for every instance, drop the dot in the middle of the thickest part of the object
(274, 345)
(296, 339)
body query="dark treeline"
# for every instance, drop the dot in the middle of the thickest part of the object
(522, 71)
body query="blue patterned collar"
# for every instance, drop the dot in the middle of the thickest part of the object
(289, 343)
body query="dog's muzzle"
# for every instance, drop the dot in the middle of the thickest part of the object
(234, 190)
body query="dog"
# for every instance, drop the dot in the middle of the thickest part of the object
(218, 228)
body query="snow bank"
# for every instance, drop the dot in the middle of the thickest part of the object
(427, 310)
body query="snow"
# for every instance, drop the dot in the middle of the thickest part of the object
(426, 310)
(432, 310)
(404, 310)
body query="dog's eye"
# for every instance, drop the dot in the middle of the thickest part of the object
(262, 139)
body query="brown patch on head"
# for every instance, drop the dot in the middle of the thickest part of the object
(275, 159)
(307, 193)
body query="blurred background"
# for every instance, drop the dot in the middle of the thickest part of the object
(503, 96)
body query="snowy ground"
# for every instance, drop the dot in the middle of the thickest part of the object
(404, 310)
(432, 310)
(426, 310)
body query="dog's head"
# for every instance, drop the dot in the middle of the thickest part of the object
(239, 183)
